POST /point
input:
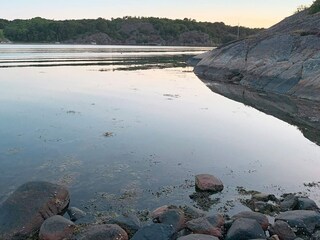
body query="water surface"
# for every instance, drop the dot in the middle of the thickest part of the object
(133, 140)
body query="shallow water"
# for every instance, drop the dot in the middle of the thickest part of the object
(123, 140)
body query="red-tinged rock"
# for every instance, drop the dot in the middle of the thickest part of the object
(159, 211)
(282, 230)
(56, 228)
(23, 213)
(206, 182)
(211, 225)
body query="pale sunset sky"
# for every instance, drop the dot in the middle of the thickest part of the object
(251, 13)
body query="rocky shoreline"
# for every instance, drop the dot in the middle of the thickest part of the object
(283, 59)
(40, 210)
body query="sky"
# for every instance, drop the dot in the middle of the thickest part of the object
(250, 13)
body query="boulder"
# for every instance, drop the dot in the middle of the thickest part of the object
(283, 230)
(159, 211)
(303, 221)
(130, 223)
(211, 225)
(306, 204)
(244, 229)
(56, 228)
(157, 231)
(206, 182)
(102, 232)
(23, 213)
(174, 218)
(290, 202)
(259, 217)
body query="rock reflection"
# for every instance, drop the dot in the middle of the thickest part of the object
(304, 114)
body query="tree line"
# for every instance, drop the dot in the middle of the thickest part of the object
(40, 30)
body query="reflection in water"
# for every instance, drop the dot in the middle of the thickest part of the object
(86, 55)
(302, 113)
(126, 140)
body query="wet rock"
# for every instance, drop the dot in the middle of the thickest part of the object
(23, 213)
(259, 217)
(211, 225)
(130, 223)
(263, 207)
(103, 232)
(56, 228)
(159, 211)
(264, 197)
(244, 229)
(192, 213)
(75, 214)
(283, 230)
(198, 237)
(174, 218)
(306, 204)
(206, 182)
(157, 231)
(302, 220)
(289, 202)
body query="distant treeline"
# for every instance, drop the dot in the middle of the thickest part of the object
(126, 30)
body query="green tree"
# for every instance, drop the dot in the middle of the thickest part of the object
(315, 7)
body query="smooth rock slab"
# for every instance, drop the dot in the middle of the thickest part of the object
(56, 228)
(103, 232)
(198, 237)
(157, 231)
(244, 229)
(259, 217)
(23, 213)
(302, 220)
(206, 182)
(283, 230)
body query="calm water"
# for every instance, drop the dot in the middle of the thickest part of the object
(164, 126)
